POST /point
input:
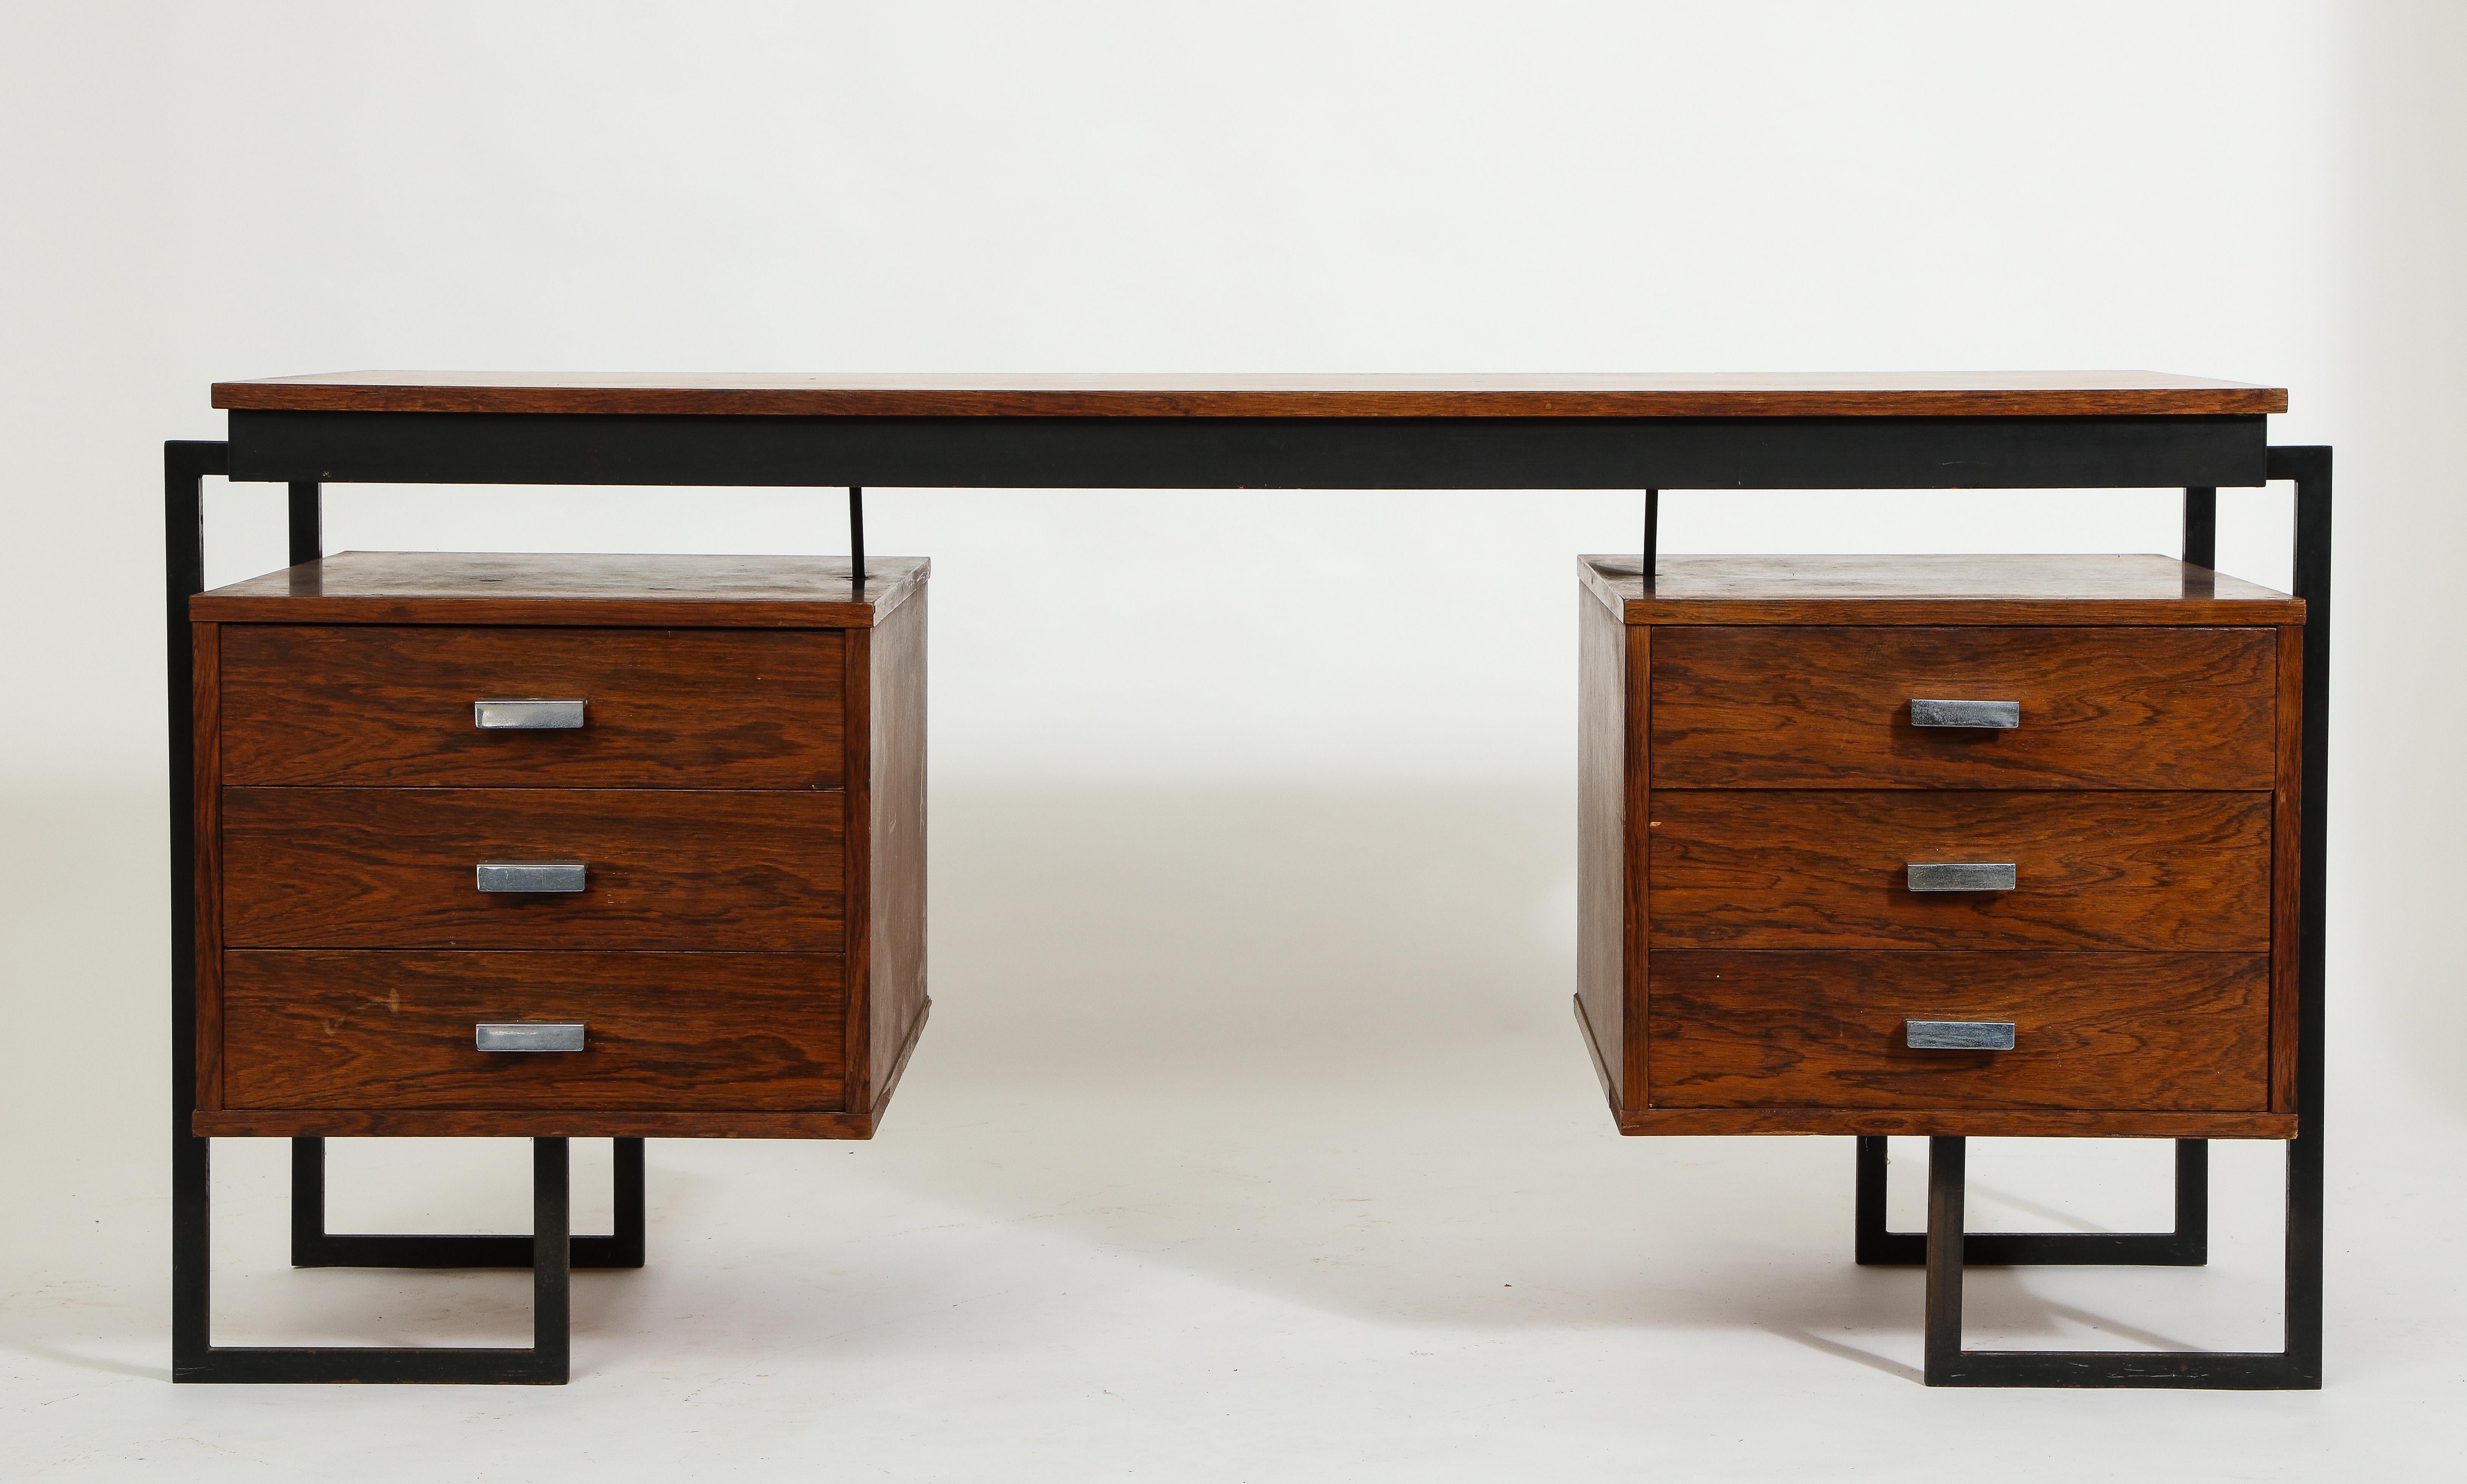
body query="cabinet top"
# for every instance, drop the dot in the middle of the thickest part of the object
(1654, 395)
(521, 587)
(1932, 589)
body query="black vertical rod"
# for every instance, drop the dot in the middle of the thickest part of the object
(1947, 1175)
(856, 538)
(2310, 468)
(626, 1241)
(308, 522)
(2193, 1199)
(2201, 527)
(551, 1260)
(1652, 533)
(1868, 1241)
(185, 466)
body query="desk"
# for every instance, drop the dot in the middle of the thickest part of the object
(1648, 433)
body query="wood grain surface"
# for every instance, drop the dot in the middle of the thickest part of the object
(1953, 394)
(1604, 929)
(2185, 1033)
(1759, 707)
(895, 857)
(1956, 1122)
(1982, 590)
(670, 869)
(678, 1032)
(387, 705)
(2286, 875)
(569, 589)
(1796, 868)
(523, 1123)
(205, 816)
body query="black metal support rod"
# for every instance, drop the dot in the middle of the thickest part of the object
(856, 538)
(1948, 1160)
(312, 1245)
(185, 466)
(552, 1256)
(1652, 534)
(2310, 470)
(2201, 527)
(2187, 1246)
(308, 522)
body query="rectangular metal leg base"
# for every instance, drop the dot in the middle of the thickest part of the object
(2298, 1368)
(312, 1245)
(2188, 1245)
(547, 1362)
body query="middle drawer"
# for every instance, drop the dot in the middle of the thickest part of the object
(676, 868)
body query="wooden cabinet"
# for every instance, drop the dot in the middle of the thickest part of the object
(1762, 801)
(733, 813)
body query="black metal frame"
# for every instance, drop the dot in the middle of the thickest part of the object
(2196, 453)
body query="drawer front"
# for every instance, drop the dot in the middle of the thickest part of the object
(681, 1032)
(1827, 869)
(1830, 707)
(664, 708)
(663, 869)
(2181, 1032)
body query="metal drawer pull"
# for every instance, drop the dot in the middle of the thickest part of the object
(1945, 876)
(525, 714)
(531, 875)
(1983, 715)
(541, 1036)
(1945, 1035)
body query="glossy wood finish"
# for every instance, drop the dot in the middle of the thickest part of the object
(2029, 590)
(2180, 1032)
(521, 1123)
(672, 1032)
(2287, 871)
(1954, 393)
(670, 869)
(1605, 924)
(893, 859)
(1757, 707)
(391, 706)
(523, 588)
(1968, 1122)
(1824, 869)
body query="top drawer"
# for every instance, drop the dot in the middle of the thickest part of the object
(1773, 706)
(368, 704)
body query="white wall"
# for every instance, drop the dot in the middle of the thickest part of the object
(1214, 683)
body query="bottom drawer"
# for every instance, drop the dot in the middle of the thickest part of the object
(667, 1032)
(2181, 1032)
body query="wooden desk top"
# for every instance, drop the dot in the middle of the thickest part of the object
(499, 588)
(1871, 394)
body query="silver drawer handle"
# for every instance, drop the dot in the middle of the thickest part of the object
(1982, 715)
(1950, 1035)
(1946, 876)
(531, 875)
(528, 1036)
(525, 714)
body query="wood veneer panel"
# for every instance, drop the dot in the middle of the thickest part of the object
(1957, 394)
(667, 1032)
(523, 1123)
(568, 591)
(377, 705)
(1756, 707)
(1973, 1123)
(895, 843)
(670, 869)
(1969, 590)
(2287, 873)
(205, 819)
(2180, 1032)
(1602, 921)
(1798, 869)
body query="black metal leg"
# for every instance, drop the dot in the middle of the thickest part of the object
(312, 1245)
(1652, 533)
(856, 539)
(2201, 527)
(2185, 1246)
(546, 1362)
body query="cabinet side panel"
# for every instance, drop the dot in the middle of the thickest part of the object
(208, 763)
(2287, 873)
(1601, 836)
(895, 993)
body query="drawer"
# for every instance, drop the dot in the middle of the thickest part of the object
(1828, 869)
(2181, 1032)
(683, 1032)
(1753, 707)
(666, 868)
(666, 708)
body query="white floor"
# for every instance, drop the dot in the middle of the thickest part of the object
(1283, 1165)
